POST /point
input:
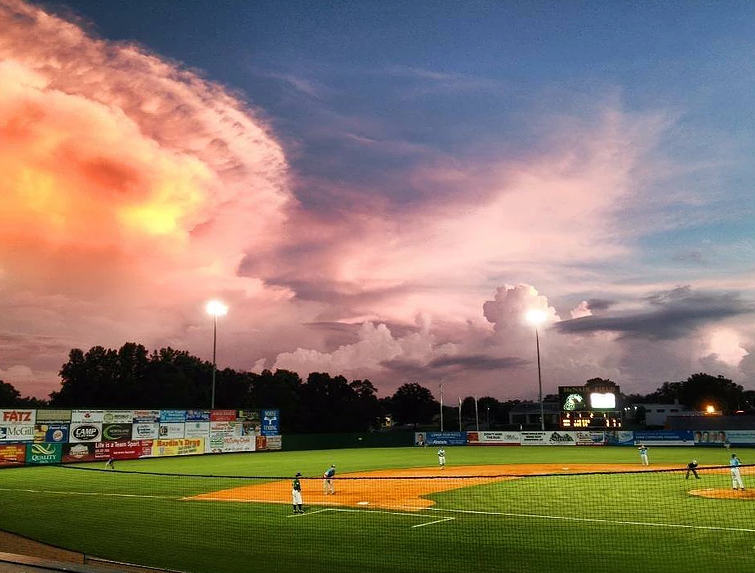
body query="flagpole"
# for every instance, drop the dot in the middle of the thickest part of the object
(460, 414)
(476, 414)
(441, 406)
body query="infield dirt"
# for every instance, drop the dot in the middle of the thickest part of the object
(391, 489)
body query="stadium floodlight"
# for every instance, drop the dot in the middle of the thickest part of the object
(215, 308)
(536, 317)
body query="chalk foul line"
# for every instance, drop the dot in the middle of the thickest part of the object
(595, 520)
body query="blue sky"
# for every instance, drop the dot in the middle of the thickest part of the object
(371, 176)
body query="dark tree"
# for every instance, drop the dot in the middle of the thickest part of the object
(413, 404)
(9, 396)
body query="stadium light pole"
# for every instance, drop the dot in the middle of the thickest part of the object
(441, 406)
(476, 415)
(215, 308)
(537, 317)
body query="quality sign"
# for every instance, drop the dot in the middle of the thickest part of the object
(44, 454)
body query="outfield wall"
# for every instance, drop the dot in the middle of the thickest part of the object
(30, 436)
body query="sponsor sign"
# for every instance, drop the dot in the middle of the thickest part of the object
(46, 416)
(238, 444)
(665, 438)
(118, 417)
(197, 415)
(16, 433)
(590, 438)
(548, 438)
(44, 453)
(249, 415)
(270, 422)
(12, 454)
(734, 437)
(78, 453)
(17, 417)
(273, 442)
(87, 416)
(219, 431)
(493, 438)
(168, 416)
(117, 432)
(171, 430)
(125, 450)
(145, 431)
(146, 416)
(446, 438)
(88, 432)
(222, 415)
(620, 438)
(181, 447)
(52, 432)
(197, 430)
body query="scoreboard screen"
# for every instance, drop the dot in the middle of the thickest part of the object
(591, 420)
(593, 406)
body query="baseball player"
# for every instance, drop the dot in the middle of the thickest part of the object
(110, 463)
(296, 494)
(327, 482)
(692, 467)
(736, 479)
(442, 458)
(644, 455)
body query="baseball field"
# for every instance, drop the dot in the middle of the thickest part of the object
(515, 509)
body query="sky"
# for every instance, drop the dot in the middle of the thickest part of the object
(382, 190)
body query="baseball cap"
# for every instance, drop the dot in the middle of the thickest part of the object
(298, 474)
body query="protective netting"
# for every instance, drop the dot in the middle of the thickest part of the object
(564, 519)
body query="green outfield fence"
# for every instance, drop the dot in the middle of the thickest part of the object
(563, 520)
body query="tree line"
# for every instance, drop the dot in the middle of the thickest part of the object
(131, 377)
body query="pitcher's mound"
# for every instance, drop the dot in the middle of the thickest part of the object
(724, 493)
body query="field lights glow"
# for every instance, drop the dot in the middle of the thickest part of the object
(603, 401)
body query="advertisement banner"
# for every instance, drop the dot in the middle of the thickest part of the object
(730, 437)
(146, 416)
(171, 431)
(12, 454)
(273, 442)
(145, 431)
(44, 453)
(125, 450)
(18, 417)
(197, 430)
(590, 438)
(665, 438)
(53, 432)
(180, 447)
(270, 422)
(548, 439)
(78, 453)
(91, 432)
(118, 417)
(493, 438)
(169, 416)
(16, 433)
(117, 432)
(87, 416)
(446, 438)
(46, 416)
(222, 415)
(620, 438)
(197, 415)
(238, 444)
(248, 415)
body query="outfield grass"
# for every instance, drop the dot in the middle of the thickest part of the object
(618, 523)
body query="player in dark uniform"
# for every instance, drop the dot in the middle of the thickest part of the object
(296, 494)
(692, 467)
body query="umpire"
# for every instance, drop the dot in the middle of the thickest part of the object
(692, 467)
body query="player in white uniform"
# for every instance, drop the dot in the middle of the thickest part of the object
(736, 478)
(644, 455)
(442, 458)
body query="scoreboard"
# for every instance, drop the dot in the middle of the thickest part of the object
(592, 406)
(591, 420)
